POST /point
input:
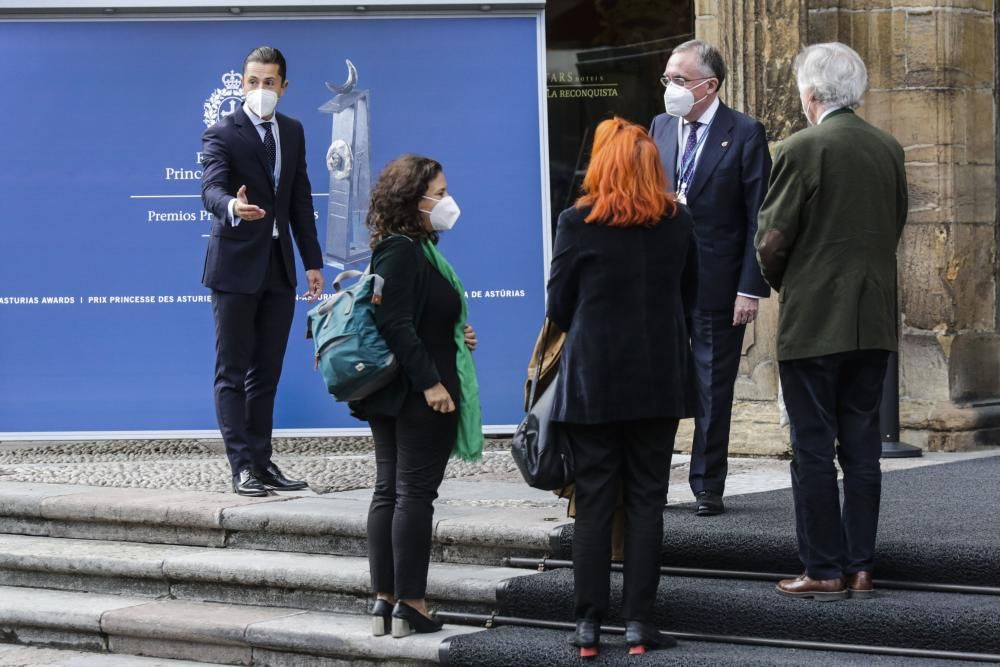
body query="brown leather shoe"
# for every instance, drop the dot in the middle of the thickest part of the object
(821, 590)
(859, 585)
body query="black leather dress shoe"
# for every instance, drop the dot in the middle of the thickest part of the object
(642, 635)
(245, 483)
(709, 504)
(406, 620)
(273, 478)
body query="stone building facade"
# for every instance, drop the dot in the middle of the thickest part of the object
(933, 71)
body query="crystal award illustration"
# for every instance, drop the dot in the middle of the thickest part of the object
(349, 162)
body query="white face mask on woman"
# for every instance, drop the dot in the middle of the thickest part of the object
(678, 100)
(443, 214)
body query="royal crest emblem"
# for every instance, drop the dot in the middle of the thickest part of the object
(226, 100)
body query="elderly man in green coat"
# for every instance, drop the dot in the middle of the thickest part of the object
(826, 240)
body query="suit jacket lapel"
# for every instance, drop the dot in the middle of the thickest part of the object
(720, 138)
(670, 152)
(249, 134)
(287, 139)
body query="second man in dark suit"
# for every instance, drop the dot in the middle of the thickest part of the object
(255, 183)
(716, 160)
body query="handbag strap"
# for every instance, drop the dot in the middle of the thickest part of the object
(538, 363)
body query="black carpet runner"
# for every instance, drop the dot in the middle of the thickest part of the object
(939, 524)
(528, 647)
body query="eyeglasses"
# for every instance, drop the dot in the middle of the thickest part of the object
(681, 81)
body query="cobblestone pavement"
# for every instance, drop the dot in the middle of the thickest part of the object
(328, 464)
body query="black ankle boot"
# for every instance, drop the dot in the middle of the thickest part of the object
(406, 620)
(587, 637)
(646, 635)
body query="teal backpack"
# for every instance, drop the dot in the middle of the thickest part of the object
(351, 354)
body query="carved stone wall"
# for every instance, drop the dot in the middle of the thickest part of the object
(933, 76)
(933, 69)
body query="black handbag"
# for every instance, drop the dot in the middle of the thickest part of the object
(540, 447)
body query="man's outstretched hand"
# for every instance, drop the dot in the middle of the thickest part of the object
(245, 210)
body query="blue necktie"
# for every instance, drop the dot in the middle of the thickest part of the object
(687, 158)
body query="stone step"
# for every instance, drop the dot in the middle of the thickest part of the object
(292, 522)
(15, 655)
(206, 632)
(316, 582)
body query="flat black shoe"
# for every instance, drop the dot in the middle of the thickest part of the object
(273, 478)
(406, 620)
(245, 483)
(381, 617)
(709, 504)
(587, 637)
(642, 635)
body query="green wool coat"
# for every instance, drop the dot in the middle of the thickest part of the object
(827, 235)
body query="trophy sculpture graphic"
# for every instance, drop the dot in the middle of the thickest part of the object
(349, 161)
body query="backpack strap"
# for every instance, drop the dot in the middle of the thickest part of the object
(350, 273)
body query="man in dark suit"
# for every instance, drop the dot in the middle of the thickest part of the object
(255, 183)
(827, 242)
(717, 162)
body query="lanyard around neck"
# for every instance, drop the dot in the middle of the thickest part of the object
(684, 175)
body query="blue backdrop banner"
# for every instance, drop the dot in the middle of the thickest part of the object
(105, 324)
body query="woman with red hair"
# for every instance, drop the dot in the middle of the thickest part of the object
(621, 287)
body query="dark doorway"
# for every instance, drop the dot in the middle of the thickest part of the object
(604, 58)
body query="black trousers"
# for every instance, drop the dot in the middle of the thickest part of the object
(411, 453)
(633, 456)
(835, 398)
(251, 334)
(716, 346)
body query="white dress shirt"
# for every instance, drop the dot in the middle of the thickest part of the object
(827, 113)
(258, 125)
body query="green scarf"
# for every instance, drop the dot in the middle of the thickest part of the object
(469, 443)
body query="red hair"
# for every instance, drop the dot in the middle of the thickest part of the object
(625, 185)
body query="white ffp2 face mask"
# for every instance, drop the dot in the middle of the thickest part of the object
(262, 101)
(678, 100)
(444, 214)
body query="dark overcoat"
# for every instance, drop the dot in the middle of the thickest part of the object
(835, 209)
(623, 296)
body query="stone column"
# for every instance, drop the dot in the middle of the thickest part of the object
(933, 85)
(932, 71)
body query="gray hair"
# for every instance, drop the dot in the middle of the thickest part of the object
(833, 72)
(709, 56)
